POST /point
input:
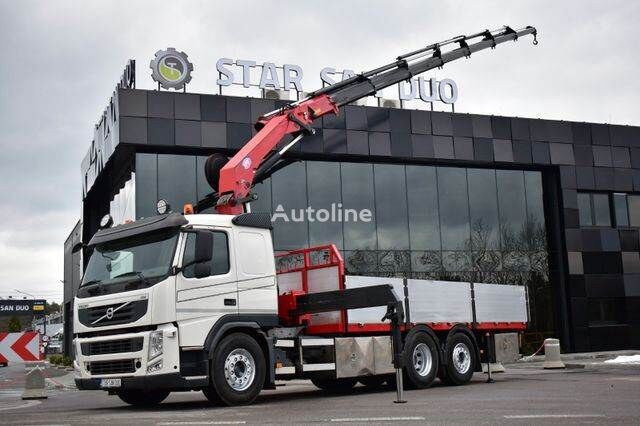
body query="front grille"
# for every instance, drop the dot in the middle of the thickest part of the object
(122, 366)
(112, 346)
(121, 313)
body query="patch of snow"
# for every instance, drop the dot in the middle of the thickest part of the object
(624, 359)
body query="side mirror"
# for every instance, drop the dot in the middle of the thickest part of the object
(204, 247)
(77, 247)
(202, 270)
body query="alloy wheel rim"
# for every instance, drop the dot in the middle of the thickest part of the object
(239, 369)
(422, 360)
(461, 358)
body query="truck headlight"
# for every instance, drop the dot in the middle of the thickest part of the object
(155, 344)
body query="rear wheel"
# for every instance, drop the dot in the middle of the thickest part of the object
(142, 398)
(461, 360)
(421, 360)
(238, 371)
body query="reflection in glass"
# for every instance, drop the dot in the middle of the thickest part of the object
(290, 199)
(483, 208)
(177, 180)
(454, 208)
(513, 208)
(422, 195)
(146, 185)
(357, 193)
(323, 187)
(634, 210)
(622, 213)
(601, 213)
(584, 209)
(391, 207)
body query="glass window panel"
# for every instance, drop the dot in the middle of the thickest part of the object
(391, 207)
(202, 186)
(584, 208)
(622, 213)
(323, 186)
(177, 180)
(535, 226)
(512, 204)
(422, 194)
(361, 262)
(219, 263)
(515, 262)
(122, 207)
(483, 207)
(289, 204)
(357, 194)
(453, 207)
(486, 261)
(146, 185)
(601, 213)
(426, 261)
(634, 210)
(456, 261)
(394, 263)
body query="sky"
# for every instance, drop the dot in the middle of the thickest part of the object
(62, 59)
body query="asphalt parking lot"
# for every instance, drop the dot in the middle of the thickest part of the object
(526, 395)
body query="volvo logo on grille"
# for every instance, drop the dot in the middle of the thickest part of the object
(108, 315)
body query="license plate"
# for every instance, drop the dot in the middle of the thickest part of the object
(110, 383)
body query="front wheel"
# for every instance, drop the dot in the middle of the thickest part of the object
(238, 371)
(143, 398)
(461, 360)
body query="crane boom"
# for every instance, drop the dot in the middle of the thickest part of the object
(256, 157)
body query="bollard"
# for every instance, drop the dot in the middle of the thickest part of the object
(34, 381)
(552, 354)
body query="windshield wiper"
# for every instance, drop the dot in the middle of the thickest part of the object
(91, 282)
(95, 287)
(140, 275)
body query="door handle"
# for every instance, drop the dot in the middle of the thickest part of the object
(229, 302)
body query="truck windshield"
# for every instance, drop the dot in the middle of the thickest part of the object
(137, 258)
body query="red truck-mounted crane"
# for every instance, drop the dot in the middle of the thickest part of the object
(189, 301)
(233, 179)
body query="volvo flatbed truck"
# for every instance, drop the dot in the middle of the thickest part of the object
(187, 301)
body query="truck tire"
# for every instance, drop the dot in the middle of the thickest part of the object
(421, 361)
(330, 384)
(143, 398)
(238, 371)
(461, 360)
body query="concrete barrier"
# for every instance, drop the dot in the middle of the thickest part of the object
(552, 354)
(34, 381)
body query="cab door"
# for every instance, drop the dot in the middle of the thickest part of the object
(213, 293)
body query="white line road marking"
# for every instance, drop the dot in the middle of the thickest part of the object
(23, 405)
(554, 416)
(378, 419)
(222, 422)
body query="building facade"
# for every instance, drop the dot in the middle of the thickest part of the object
(551, 205)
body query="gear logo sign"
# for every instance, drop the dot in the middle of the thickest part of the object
(171, 69)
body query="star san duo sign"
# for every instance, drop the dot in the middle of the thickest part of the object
(172, 69)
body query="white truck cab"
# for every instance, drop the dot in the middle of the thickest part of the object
(154, 289)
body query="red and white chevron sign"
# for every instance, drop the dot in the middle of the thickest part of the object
(20, 347)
